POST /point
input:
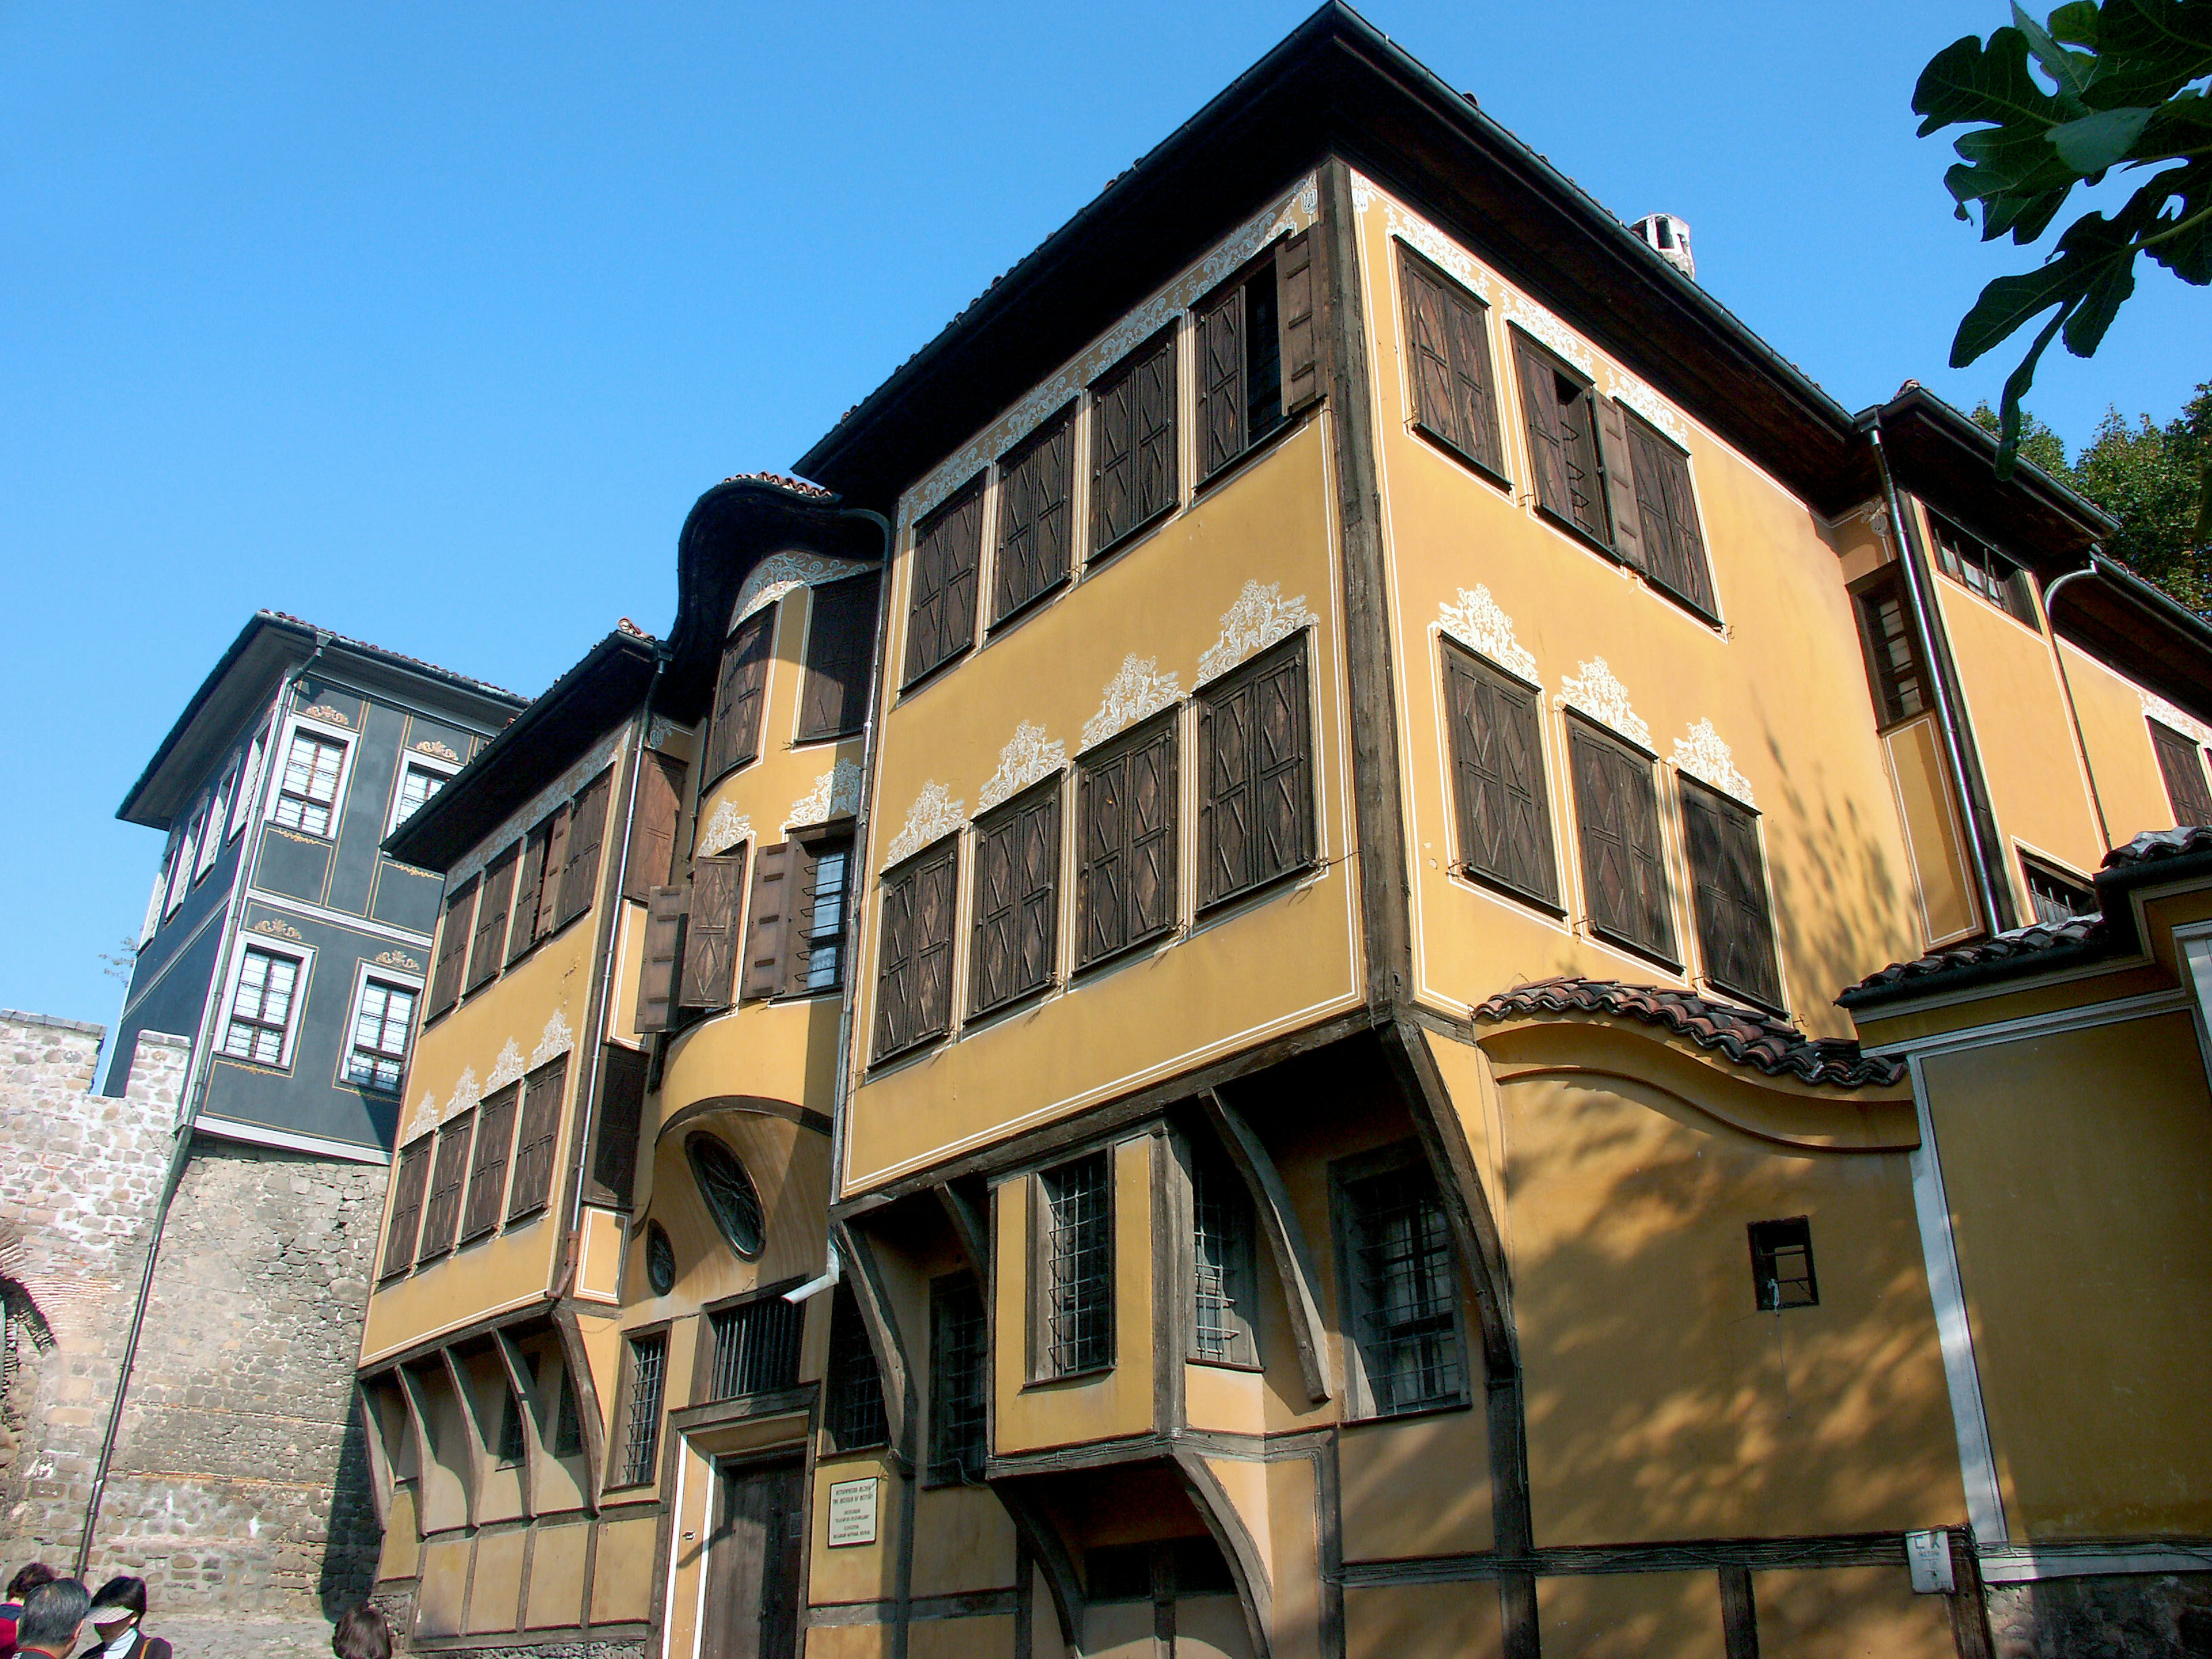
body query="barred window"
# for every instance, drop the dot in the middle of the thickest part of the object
(649, 1368)
(261, 1013)
(959, 1350)
(1405, 1292)
(1782, 1265)
(1221, 1264)
(854, 1411)
(308, 794)
(1076, 1272)
(756, 1347)
(377, 1059)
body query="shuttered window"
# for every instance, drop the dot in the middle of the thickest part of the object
(652, 858)
(959, 1377)
(841, 644)
(1255, 775)
(795, 934)
(1892, 648)
(488, 1171)
(453, 949)
(2182, 763)
(734, 733)
(1980, 568)
(914, 974)
(488, 944)
(1667, 513)
(710, 932)
(556, 867)
(1561, 413)
(1497, 770)
(1255, 354)
(768, 920)
(1126, 842)
(587, 829)
(1133, 477)
(529, 893)
(409, 1185)
(1735, 932)
(1037, 517)
(756, 1347)
(1624, 869)
(542, 1092)
(1017, 899)
(447, 1177)
(615, 1125)
(948, 545)
(1454, 392)
(664, 958)
(853, 1404)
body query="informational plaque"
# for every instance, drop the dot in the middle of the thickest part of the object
(1927, 1556)
(853, 1512)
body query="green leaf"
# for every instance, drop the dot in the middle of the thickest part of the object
(2114, 281)
(2015, 388)
(1969, 81)
(2071, 70)
(2096, 141)
(2075, 24)
(2149, 49)
(2007, 302)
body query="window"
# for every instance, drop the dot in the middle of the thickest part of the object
(1074, 1268)
(447, 1176)
(841, 644)
(913, 979)
(487, 941)
(1624, 870)
(260, 1025)
(1133, 444)
(307, 796)
(1455, 399)
(756, 1347)
(1403, 1292)
(382, 1019)
(1017, 899)
(209, 829)
(854, 1411)
(180, 867)
(587, 827)
(1126, 847)
(1255, 806)
(530, 886)
(795, 932)
(418, 781)
(408, 1184)
(1561, 410)
(1156, 1572)
(707, 944)
(1221, 1263)
(513, 1440)
(488, 1173)
(542, 1092)
(733, 733)
(453, 949)
(1984, 571)
(959, 1352)
(1037, 516)
(1497, 770)
(1673, 547)
(615, 1124)
(1727, 887)
(728, 1191)
(2055, 896)
(1245, 342)
(2182, 764)
(1782, 1265)
(659, 1259)
(161, 893)
(648, 1367)
(941, 604)
(243, 802)
(1893, 648)
(651, 861)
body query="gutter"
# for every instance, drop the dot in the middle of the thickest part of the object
(2066, 685)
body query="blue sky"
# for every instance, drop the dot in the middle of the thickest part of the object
(430, 323)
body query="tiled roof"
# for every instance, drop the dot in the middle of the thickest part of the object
(813, 492)
(2082, 933)
(398, 656)
(2155, 844)
(1741, 1035)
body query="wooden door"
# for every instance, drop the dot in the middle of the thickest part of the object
(753, 1563)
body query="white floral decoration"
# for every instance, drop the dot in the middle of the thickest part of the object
(659, 730)
(1477, 623)
(1598, 694)
(1419, 233)
(1029, 754)
(2165, 714)
(1137, 690)
(557, 1040)
(426, 1114)
(1261, 616)
(835, 794)
(1648, 403)
(934, 813)
(465, 1094)
(726, 828)
(507, 1067)
(777, 575)
(1707, 758)
(1539, 322)
(1363, 192)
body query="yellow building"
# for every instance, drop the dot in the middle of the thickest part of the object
(1276, 1089)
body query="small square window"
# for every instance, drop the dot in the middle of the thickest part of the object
(1782, 1265)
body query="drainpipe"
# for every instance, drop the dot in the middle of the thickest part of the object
(1923, 611)
(2066, 685)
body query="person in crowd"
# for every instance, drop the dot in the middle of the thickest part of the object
(52, 1620)
(25, 1580)
(118, 1617)
(362, 1634)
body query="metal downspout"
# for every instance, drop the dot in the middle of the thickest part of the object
(2066, 685)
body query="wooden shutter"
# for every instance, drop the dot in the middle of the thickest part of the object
(1224, 806)
(1296, 320)
(1221, 398)
(1126, 852)
(556, 866)
(529, 894)
(453, 949)
(1112, 461)
(616, 1124)
(489, 941)
(663, 955)
(1453, 395)
(1150, 886)
(734, 737)
(1504, 815)
(1017, 899)
(798, 928)
(1256, 778)
(1283, 765)
(1474, 397)
(933, 894)
(2183, 766)
(1036, 516)
(408, 1186)
(1674, 546)
(1735, 933)
(710, 930)
(1102, 858)
(447, 1176)
(652, 857)
(1155, 476)
(941, 616)
(895, 1020)
(768, 923)
(1624, 870)
(1540, 406)
(1619, 479)
(541, 1125)
(587, 829)
(1580, 455)
(1429, 343)
(487, 1172)
(990, 971)
(840, 640)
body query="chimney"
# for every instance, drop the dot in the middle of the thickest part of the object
(1669, 238)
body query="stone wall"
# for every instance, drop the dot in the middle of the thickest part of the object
(2152, 1615)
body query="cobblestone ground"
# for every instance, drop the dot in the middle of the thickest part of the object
(212, 1636)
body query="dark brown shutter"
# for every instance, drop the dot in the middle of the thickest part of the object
(1624, 869)
(1539, 406)
(1673, 547)
(587, 829)
(1221, 380)
(408, 1184)
(1579, 455)
(1283, 767)
(447, 1177)
(529, 894)
(1453, 394)
(1155, 480)
(710, 930)
(799, 899)
(1114, 461)
(652, 857)
(991, 966)
(933, 895)
(1505, 815)
(663, 954)
(1735, 933)
(541, 1124)
(2182, 766)
(489, 941)
(1126, 856)
(1474, 398)
(1620, 480)
(488, 1172)
(941, 613)
(556, 865)
(734, 737)
(1017, 899)
(895, 1020)
(1225, 804)
(767, 922)
(614, 1136)
(840, 641)
(1102, 858)
(1255, 775)
(1296, 320)
(1036, 516)
(453, 949)
(1430, 344)
(1151, 833)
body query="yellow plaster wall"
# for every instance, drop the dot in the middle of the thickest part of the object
(1417, 1487)
(556, 1597)
(1850, 1612)
(1423, 1621)
(781, 1051)
(1211, 1627)
(495, 1585)
(1942, 886)
(1632, 1616)
(622, 1574)
(855, 1572)
(402, 1551)
(444, 1588)
(2117, 734)
(967, 1544)
(985, 1637)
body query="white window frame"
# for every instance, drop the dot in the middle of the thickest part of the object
(210, 841)
(180, 872)
(157, 901)
(304, 956)
(277, 759)
(242, 803)
(412, 758)
(364, 973)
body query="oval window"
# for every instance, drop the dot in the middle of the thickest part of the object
(729, 1192)
(659, 1260)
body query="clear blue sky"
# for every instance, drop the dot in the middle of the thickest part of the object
(430, 323)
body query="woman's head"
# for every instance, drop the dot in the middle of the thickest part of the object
(28, 1579)
(121, 1603)
(362, 1634)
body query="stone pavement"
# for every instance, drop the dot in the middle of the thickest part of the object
(208, 1635)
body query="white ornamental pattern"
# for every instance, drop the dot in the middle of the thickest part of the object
(1704, 756)
(507, 1068)
(1477, 623)
(2165, 714)
(426, 1114)
(779, 573)
(557, 1040)
(1261, 616)
(726, 828)
(1418, 233)
(1648, 403)
(1028, 757)
(1550, 329)
(465, 1093)
(1598, 694)
(835, 794)
(1137, 690)
(934, 813)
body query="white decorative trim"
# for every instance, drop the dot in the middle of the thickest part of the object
(557, 1040)
(426, 1115)
(934, 813)
(1648, 403)
(724, 830)
(1029, 755)
(1598, 694)
(2165, 714)
(465, 1095)
(1709, 759)
(1363, 192)
(1137, 690)
(659, 729)
(541, 804)
(835, 794)
(1535, 320)
(1260, 617)
(507, 1068)
(1425, 239)
(1477, 623)
(777, 575)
